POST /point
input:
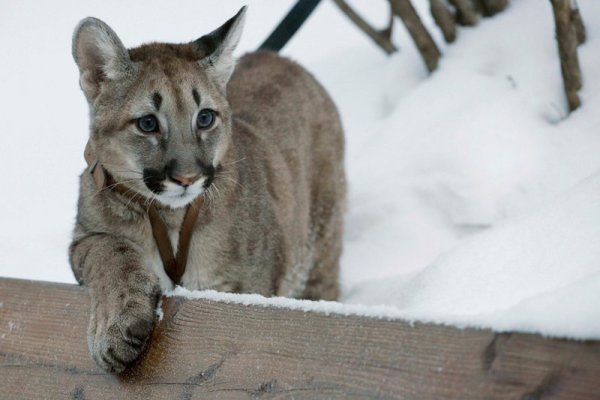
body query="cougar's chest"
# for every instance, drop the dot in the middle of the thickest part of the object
(201, 270)
(152, 259)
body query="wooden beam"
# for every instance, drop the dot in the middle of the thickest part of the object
(207, 349)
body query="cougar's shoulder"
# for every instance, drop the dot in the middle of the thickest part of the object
(264, 80)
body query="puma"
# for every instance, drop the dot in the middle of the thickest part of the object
(259, 142)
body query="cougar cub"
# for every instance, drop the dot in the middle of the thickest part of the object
(259, 142)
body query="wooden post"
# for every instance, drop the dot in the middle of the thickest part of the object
(423, 40)
(207, 349)
(444, 19)
(566, 36)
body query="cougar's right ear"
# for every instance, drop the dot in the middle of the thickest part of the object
(100, 56)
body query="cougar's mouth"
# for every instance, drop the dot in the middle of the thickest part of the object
(174, 189)
(177, 196)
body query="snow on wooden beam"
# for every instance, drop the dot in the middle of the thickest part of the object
(205, 349)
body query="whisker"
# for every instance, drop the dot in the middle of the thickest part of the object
(153, 199)
(207, 197)
(109, 187)
(112, 186)
(132, 198)
(234, 181)
(210, 198)
(217, 191)
(127, 172)
(121, 167)
(235, 162)
(227, 174)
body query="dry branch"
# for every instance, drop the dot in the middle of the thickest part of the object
(566, 36)
(492, 7)
(387, 32)
(382, 38)
(465, 12)
(444, 19)
(423, 40)
(578, 23)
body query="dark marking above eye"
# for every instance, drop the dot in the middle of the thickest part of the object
(157, 100)
(196, 96)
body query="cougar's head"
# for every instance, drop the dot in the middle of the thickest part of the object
(160, 121)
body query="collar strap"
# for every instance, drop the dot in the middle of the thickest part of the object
(174, 265)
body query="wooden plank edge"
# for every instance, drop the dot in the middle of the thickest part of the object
(205, 347)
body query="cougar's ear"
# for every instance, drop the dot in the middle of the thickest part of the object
(217, 48)
(100, 56)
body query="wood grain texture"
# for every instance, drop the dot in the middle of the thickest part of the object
(205, 349)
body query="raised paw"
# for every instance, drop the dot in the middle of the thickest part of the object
(119, 330)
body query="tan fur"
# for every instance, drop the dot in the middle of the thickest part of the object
(272, 220)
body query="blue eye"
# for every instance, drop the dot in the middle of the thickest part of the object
(147, 124)
(205, 118)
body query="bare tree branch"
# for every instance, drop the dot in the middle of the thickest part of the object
(492, 7)
(423, 40)
(382, 38)
(566, 37)
(465, 12)
(578, 23)
(444, 19)
(387, 32)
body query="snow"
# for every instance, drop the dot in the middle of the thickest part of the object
(321, 306)
(491, 280)
(473, 196)
(537, 273)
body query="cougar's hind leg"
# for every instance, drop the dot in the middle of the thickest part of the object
(323, 279)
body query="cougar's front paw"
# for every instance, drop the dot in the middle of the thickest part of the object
(119, 329)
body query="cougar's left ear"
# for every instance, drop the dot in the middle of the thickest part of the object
(217, 48)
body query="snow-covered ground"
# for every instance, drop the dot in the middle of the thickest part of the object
(474, 199)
